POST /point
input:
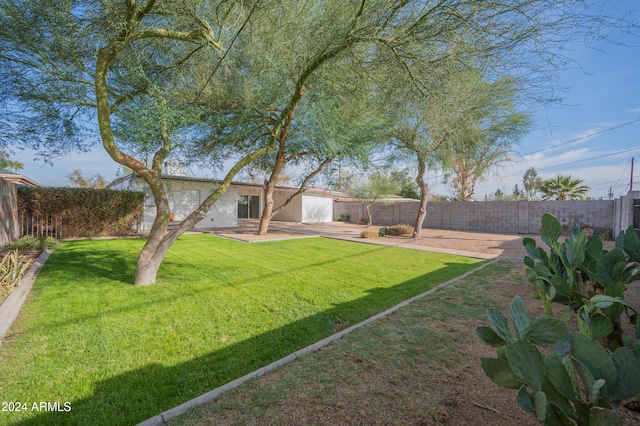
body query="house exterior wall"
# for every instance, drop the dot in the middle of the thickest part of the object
(293, 212)
(9, 226)
(624, 211)
(184, 197)
(522, 217)
(316, 208)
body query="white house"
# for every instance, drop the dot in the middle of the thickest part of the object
(241, 202)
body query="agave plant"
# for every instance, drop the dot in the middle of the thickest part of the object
(12, 267)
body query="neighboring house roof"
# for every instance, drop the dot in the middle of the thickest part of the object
(17, 178)
(307, 190)
(387, 199)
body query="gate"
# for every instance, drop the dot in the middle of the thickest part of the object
(636, 216)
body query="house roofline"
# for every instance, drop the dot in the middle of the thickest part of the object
(18, 179)
(233, 182)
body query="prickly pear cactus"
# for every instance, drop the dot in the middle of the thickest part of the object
(580, 274)
(579, 383)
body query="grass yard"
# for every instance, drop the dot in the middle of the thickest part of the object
(120, 354)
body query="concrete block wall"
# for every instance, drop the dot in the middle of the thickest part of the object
(510, 217)
(9, 225)
(596, 214)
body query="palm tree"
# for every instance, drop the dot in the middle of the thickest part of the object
(564, 188)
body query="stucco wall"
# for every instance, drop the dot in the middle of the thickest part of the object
(185, 196)
(9, 226)
(487, 216)
(316, 209)
(293, 212)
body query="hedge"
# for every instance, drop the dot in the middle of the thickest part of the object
(79, 212)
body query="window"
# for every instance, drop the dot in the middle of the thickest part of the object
(248, 206)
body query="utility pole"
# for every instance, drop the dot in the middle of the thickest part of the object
(631, 179)
(610, 192)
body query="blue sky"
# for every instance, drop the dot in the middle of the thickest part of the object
(598, 99)
(602, 97)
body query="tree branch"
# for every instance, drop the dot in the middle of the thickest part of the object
(302, 187)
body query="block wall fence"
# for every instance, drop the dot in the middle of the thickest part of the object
(9, 226)
(509, 217)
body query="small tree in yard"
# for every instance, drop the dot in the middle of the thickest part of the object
(376, 187)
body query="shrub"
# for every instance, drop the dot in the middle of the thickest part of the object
(367, 233)
(33, 243)
(80, 212)
(12, 267)
(399, 230)
(383, 231)
(344, 218)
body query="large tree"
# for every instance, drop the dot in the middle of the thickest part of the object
(149, 56)
(515, 42)
(338, 120)
(144, 52)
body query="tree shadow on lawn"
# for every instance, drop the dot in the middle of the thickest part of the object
(134, 396)
(70, 265)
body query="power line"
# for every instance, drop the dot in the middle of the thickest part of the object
(578, 161)
(580, 138)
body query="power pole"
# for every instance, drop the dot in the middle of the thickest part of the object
(610, 192)
(631, 179)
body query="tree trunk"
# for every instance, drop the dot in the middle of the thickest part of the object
(270, 186)
(281, 161)
(424, 195)
(370, 221)
(265, 219)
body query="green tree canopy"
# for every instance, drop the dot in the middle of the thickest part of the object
(492, 126)
(7, 163)
(564, 187)
(531, 182)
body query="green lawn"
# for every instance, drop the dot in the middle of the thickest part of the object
(120, 354)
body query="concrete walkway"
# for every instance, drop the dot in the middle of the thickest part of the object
(247, 232)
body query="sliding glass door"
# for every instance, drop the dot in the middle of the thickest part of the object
(248, 206)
